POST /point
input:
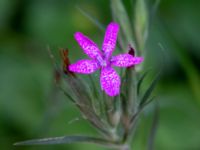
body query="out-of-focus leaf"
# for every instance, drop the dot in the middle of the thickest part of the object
(141, 23)
(154, 9)
(131, 90)
(150, 89)
(67, 140)
(117, 110)
(93, 87)
(58, 74)
(92, 19)
(67, 95)
(140, 80)
(120, 16)
(78, 90)
(148, 101)
(154, 127)
(96, 103)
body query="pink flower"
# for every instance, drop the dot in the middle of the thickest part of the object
(109, 79)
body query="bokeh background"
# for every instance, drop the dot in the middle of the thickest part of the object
(30, 106)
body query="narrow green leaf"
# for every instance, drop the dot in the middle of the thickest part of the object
(84, 103)
(154, 8)
(96, 103)
(141, 79)
(93, 87)
(141, 23)
(67, 140)
(67, 95)
(120, 16)
(53, 60)
(147, 102)
(150, 89)
(80, 90)
(92, 19)
(154, 127)
(132, 90)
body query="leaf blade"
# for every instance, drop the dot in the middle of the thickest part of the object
(141, 79)
(120, 15)
(67, 140)
(153, 130)
(150, 89)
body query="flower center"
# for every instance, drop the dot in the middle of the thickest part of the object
(102, 62)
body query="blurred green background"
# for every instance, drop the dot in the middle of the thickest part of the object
(30, 107)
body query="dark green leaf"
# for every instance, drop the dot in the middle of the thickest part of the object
(147, 102)
(150, 89)
(141, 79)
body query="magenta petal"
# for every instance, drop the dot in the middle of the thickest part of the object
(110, 81)
(84, 66)
(125, 60)
(110, 39)
(88, 46)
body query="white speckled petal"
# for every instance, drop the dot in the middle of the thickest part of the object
(125, 60)
(84, 66)
(110, 81)
(88, 46)
(110, 39)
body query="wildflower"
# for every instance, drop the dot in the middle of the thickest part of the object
(109, 79)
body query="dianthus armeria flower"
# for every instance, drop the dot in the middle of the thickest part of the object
(103, 59)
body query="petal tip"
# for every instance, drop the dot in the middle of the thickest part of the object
(77, 35)
(114, 24)
(140, 59)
